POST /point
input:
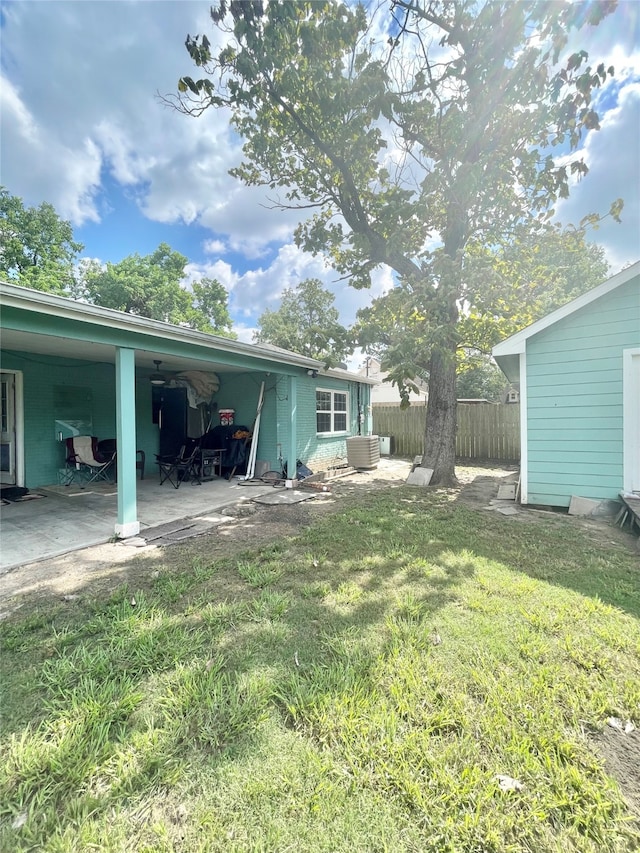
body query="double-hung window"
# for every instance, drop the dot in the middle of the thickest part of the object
(331, 411)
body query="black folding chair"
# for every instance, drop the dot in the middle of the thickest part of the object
(108, 447)
(184, 466)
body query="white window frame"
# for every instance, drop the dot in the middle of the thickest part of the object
(333, 411)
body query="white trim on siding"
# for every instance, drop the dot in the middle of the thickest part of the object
(524, 433)
(631, 418)
(517, 343)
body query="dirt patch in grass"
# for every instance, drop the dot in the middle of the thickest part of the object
(621, 754)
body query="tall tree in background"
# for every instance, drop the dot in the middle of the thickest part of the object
(537, 271)
(150, 286)
(306, 322)
(532, 274)
(37, 248)
(433, 127)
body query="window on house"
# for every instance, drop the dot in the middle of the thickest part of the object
(331, 411)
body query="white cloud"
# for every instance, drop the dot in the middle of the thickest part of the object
(87, 107)
(90, 103)
(214, 247)
(613, 157)
(245, 333)
(253, 291)
(27, 154)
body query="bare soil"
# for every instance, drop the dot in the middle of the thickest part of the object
(621, 755)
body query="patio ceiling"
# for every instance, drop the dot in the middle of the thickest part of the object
(93, 351)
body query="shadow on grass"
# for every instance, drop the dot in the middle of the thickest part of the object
(130, 689)
(133, 690)
(558, 548)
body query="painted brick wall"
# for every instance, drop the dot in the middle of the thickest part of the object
(41, 374)
(241, 391)
(44, 455)
(318, 452)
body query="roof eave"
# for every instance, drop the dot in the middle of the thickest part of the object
(35, 300)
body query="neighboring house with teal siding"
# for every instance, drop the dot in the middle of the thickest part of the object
(70, 368)
(578, 372)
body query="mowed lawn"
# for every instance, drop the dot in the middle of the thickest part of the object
(409, 674)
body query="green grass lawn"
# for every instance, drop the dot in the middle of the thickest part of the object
(360, 688)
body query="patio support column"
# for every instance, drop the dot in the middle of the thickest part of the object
(292, 456)
(127, 524)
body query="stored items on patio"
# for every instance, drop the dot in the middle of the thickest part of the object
(184, 466)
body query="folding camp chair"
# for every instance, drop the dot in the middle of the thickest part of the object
(107, 446)
(184, 466)
(85, 459)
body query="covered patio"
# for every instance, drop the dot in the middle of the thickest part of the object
(67, 520)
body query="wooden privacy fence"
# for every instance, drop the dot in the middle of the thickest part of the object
(485, 430)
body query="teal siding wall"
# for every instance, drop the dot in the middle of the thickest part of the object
(42, 375)
(319, 452)
(44, 454)
(574, 400)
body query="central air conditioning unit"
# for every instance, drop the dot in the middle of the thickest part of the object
(363, 451)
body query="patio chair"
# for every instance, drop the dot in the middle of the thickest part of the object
(108, 445)
(184, 466)
(85, 459)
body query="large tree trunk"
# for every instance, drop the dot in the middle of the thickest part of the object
(440, 431)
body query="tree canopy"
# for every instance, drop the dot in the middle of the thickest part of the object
(150, 286)
(306, 322)
(535, 273)
(416, 133)
(37, 248)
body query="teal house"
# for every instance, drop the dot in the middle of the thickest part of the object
(71, 369)
(578, 373)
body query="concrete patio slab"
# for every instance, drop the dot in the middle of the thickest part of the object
(56, 524)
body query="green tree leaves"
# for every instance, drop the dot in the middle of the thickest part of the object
(413, 133)
(37, 248)
(150, 286)
(307, 323)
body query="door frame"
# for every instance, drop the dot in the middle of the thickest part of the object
(18, 387)
(631, 418)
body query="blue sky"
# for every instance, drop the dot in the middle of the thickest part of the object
(82, 128)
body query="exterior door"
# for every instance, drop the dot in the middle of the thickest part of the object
(7, 429)
(172, 419)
